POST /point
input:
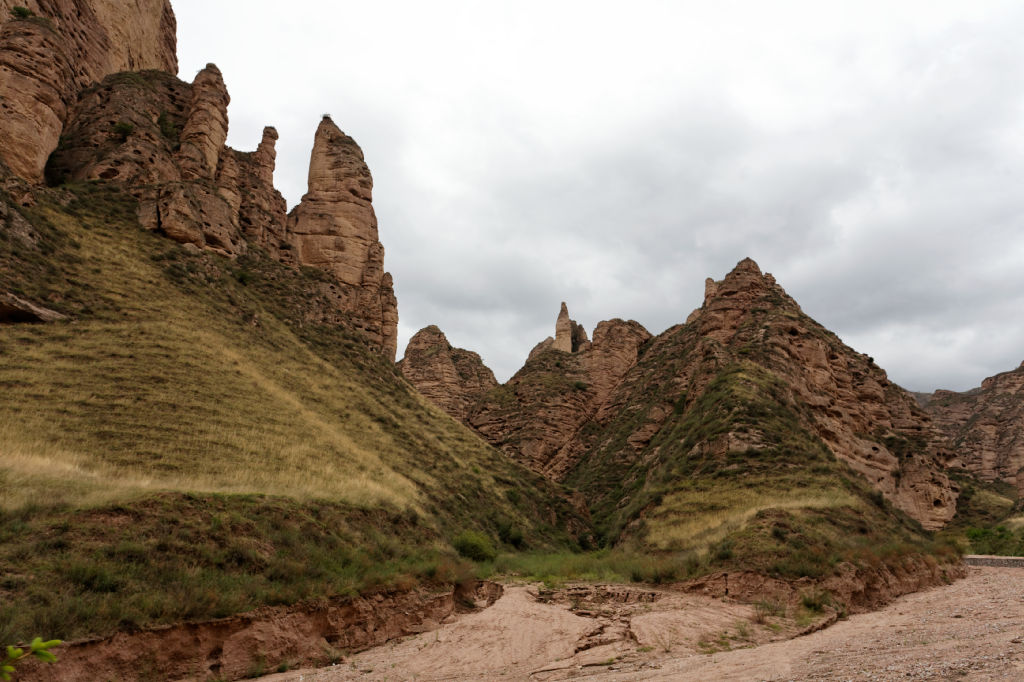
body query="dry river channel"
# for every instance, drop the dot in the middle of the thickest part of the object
(972, 629)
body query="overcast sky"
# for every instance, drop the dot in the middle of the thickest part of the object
(612, 155)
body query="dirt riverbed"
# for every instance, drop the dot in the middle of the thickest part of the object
(972, 629)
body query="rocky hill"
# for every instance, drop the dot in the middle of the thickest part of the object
(451, 378)
(985, 427)
(629, 419)
(199, 409)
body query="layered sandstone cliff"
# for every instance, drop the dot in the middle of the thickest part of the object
(58, 47)
(452, 378)
(984, 428)
(164, 141)
(334, 228)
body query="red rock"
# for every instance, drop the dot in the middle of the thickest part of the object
(452, 378)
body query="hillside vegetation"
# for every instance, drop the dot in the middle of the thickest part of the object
(183, 388)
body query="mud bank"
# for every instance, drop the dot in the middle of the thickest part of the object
(263, 640)
(857, 589)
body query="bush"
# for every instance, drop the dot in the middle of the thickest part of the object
(511, 534)
(475, 546)
(122, 129)
(19, 12)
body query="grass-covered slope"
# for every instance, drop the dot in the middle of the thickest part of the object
(139, 437)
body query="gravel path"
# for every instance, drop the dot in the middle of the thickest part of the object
(970, 630)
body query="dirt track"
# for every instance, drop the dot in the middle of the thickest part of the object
(972, 630)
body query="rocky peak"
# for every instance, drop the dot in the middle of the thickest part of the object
(563, 331)
(265, 156)
(334, 228)
(337, 167)
(729, 301)
(206, 128)
(452, 378)
(570, 336)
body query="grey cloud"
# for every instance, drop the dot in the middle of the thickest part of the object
(876, 173)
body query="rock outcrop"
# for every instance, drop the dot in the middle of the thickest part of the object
(14, 309)
(566, 381)
(452, 378)
(206, 127)
(334, 228)
(984, 427)
(54, 49)
(166, 147)
(563, 331)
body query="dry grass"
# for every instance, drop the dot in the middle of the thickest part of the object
(176, 374)
(697, 519)
(1014, 522)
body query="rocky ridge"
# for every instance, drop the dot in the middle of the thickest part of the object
(985, 427)
(771, 373)
(163, 140)
(601, 414)
(536, 415)
(452, 378)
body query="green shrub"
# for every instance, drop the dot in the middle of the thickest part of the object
(475, 546)
(122, 129)
(19, 12)
(511, 534)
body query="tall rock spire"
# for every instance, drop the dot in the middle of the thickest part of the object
(206, 129)
(335, 228)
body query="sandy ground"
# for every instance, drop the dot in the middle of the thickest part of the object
(971, 630)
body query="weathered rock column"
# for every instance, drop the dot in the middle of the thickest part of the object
(334, 228)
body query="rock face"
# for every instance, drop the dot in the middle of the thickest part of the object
(206, 128)
(566, 381)
(452, 378)
(64, 46)
(984, 427)
(166, 146)
(335, 228)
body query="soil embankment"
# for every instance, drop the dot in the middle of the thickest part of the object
(262, 641)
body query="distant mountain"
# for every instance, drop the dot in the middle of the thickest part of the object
(985, 427)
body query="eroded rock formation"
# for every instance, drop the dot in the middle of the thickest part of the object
(536, 416)
(166, 147)
(206, 127)
(452, 378)
(46, 58)
(748, 371)
(868, 422)
(984, 427)
(335, 228)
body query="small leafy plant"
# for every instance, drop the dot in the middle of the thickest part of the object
(37, 648)
(19, 12)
